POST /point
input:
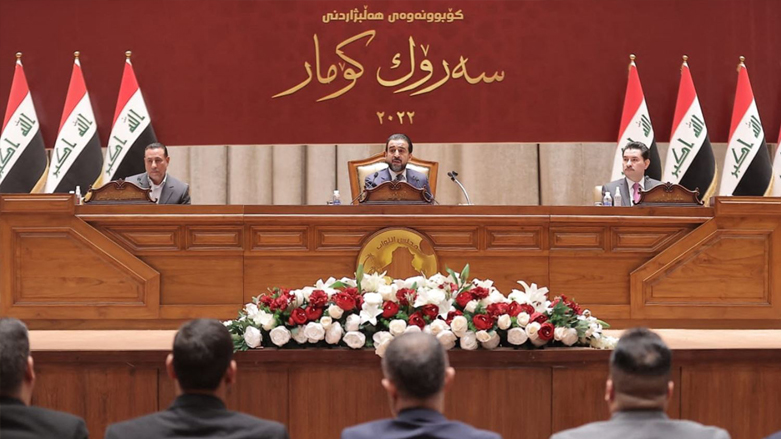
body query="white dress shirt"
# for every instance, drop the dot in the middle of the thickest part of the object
(157, 189)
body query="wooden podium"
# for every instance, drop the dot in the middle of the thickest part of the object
(395, 192)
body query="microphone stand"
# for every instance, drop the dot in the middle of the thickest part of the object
(453, 175)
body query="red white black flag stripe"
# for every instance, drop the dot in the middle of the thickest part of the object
(747, 168)
(636, 127)
(22, 153)
(131, 133)
(690, 159)
(76, 158)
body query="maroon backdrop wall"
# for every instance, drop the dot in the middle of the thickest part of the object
(209, 68)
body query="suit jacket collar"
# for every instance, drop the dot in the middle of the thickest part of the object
(419, 415)
(638, 415)
(197, 400)
(8, 400)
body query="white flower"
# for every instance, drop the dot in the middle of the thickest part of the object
(298, 335)
(352, 323)
(427, 329)
(227, 323)
(438, 279)
(280, 336)
(570, 337)
(355, 339)
(522, 319)
(373, 282)
(471, 306)
(266, 320)
(371, 308)
(536, 297)
(558, 333)
(408, 283)
(314, 332)
(335, 312)
(397, 327)
(482, 336)
(413, 328)
(517, 336)
(487, 284)
(504, 321)
(388, 292)
(326, 286)
(494, 297)
(492, 342)
(298, 298)
(459, 325)
(251, 310)
(469, 341)
(380, 337)
(531, 330)
(326, 322)
(438, 326)
(349, 282)
(433, 296)
(380, 349)
(252, 336)
(333, 334)
(447, 339)
(538, 342)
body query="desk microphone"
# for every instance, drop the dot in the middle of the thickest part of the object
(453, 175)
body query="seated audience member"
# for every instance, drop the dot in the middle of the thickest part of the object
(398, 150)
(165, 188)
(637, 392)
(417, 374)
(636, 161)
(202, 367)
(19, 420)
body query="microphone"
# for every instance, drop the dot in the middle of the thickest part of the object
(453, 175)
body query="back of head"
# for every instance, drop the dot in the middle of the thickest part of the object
(415, 363)
(203, 350)
(640, 366)
(14, 350)
(640, 146)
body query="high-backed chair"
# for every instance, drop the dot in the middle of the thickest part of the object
(360, 169)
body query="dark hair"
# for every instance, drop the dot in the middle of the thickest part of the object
(415, 363)
(14, 350)
(640, 364)
(640, 146)
(157, 145)
(399, 136)
(203, 350)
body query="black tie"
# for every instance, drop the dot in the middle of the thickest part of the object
(400, 177)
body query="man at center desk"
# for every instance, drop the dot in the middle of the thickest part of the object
(636, 161)
(398, 150)
(165, 188)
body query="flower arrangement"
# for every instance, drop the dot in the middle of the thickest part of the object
(370, 310)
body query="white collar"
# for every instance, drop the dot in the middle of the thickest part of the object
(162, 183)
(630, 184)
(395, 174)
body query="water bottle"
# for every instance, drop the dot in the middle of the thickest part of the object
(617, 198)
(78, 194)
(607, 200)
(336, 199)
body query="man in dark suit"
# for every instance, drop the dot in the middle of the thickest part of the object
(165, 188)
(202, 367)
(398, 150)
(19, 420)
(638, 390)
(636, 161)
(417, 374)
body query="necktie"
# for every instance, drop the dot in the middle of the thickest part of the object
(400, 177)
(636, 194)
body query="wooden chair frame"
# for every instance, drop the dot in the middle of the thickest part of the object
(356, 183)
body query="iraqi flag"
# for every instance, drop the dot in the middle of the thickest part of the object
(77, 157)
(131, 133)
(636, 127)
(747, 169)
(776, 192)
(22, 153)
(690, 159)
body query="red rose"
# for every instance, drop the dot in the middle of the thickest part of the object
(513, 309)
(538, 317)
(417, 320)
(298, 317)
(318, 299)
(351, 291)
(430, 311)
(405, 295)
(497, 309)
(281, 302)
(479, 292)
(266, 299)
(483, 322)
(451, 315)
(463, 298)
(389, 309)
(313, 313)
(546, 331)
(528, 309)
(344, 301)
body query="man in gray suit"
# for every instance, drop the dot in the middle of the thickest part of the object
(636, 161)
(416, 374)
(165, 188)
(637, 392)
(398, 150)
(202, 368)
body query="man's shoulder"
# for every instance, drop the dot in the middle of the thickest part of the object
(417, 174)
(44, 418)
(161, 422)
(613, 184)
(658, 428)
(651, 182)
(137, 178)
(383, 427)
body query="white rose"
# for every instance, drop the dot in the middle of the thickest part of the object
(380, 349)
(298, 298)
(335, 312)
(522, 319)
(326, 322)
(373, 282)
(413, 328)
(469, 341)
(266, 320)
(298, 335)
(397, 327)
(531, 330)
(538, 342)
(314, 332)
(280, 336)
(559, 332)
(353, 323)
(355, 339)
(227, 323)
(252, 336)
(447, 339)
(504, 321)
(371, 308)
(388, 293)
(251, 310)
(492, 342)
(482, 336)
(427, 329)
(517, 336)
(459, 325)
(380, 337)
(334, 333)
(471, 306)
(570, 337)
(438, 326)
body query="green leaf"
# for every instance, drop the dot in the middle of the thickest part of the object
(465, 273)
(359, 278)
(337, 285)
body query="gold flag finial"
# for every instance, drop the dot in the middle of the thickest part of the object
(741, 63)
(18, 55)
(76, 54)
(128, 54)
(685, 58)
(632, 57)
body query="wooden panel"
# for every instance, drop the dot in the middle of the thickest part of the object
(262, 273)
(577, 238)
(644, 239)
(505, 271)
(279, 238)
(146, 238)
(215, 238)
(519, 238)
(196, 279)
(33, 203)
(445, 237)
(341, 238)
(592, 280)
